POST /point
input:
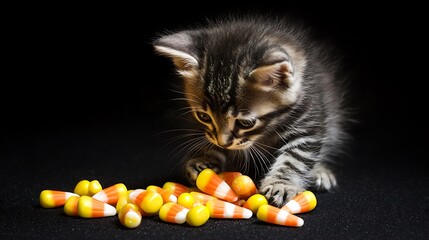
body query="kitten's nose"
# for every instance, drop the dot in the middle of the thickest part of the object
(224, 140)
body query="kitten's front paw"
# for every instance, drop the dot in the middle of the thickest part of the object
(324, 179)
(278, 192)
(195, 166)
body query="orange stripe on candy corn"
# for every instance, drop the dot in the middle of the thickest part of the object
(111, 194)
(92, 208)
(134, 196)
(54, 198)
(223, 209)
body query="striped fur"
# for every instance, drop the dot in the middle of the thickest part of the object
(266, 100)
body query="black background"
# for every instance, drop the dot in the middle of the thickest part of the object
(77, 65)
(83, 96)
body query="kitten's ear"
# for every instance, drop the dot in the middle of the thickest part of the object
(275, 71)
(179, 48)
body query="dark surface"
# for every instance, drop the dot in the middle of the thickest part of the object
(85, 99)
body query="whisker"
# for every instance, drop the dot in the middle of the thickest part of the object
(185, 148)
(197, 147)
(280, 136)
(181, 99)
(253, 157)
(240, 157)
(236, 157)
(263, 146)
(265, 161)
(176, 138)
(178, 129)
(178, 149)
(184, 93)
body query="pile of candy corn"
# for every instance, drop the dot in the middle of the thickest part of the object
(228, 195)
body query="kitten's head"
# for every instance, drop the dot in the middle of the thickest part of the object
(238, 77)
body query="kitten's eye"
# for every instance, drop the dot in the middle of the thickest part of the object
(204, 117)
(246, 123)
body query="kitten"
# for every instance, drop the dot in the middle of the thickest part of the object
(264, 95)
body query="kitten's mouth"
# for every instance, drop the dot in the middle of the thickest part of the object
(235, 145)
(243, 144)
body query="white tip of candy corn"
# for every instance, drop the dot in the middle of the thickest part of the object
(173, 213)
(301, 203)
(271, 214)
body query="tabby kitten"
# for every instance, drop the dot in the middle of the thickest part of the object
(264, 96)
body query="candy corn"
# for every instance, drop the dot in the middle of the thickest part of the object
(122, 201)
(201, 198)
(87, 188)
(244, 186)
(209, 182)
(54, 198)
(240, 202)
(94, 187)
(111, 194)
(70, 207)
(149, 202)
(223, 209)
(186, 200)
(166, 195)
(198, 216)
(89, 207)
(271, 214)
(173, 213)
(255, 201)
(129, 216)
(176, 188)
(228, 195)
(301, 203)
(229, 176)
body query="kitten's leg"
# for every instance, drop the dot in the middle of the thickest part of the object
(287, 177)
(194, 166)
